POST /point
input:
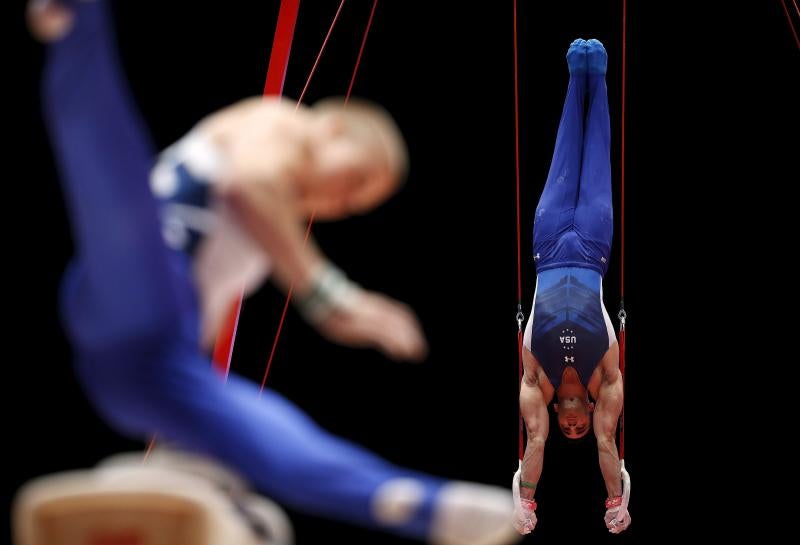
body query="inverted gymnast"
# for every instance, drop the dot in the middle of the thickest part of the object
(570, 351)
(233, 190)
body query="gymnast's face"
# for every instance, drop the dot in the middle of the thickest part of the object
(574, 416)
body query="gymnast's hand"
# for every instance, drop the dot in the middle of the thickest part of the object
(617, 519)
(375, 320)
(525, 517)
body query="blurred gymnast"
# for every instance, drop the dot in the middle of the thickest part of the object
(570, 351)
(152, 278)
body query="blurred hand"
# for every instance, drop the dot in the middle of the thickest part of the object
(375, 320)
(617, 519)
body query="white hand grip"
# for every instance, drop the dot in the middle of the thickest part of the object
(515, 489)
(626, 488)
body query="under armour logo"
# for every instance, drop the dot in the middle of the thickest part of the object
(569, 359)
(603, 259)
(536, 257)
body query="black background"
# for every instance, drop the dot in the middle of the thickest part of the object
(712, 99)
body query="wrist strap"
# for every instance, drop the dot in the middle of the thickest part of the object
(530, 504)
(330, 289)
(616, 501)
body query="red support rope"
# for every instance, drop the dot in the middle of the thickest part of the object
(360, 52)
(789, 19)
(276, 75)
(622, 315)
(622, 149)
(290, 292)
(281, 47)
(516, 155)
(319, 55)
(283, 314)
(149, 449)
(223, 347)
(520, 317)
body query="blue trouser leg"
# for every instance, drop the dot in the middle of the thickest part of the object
(170, 389)
(104, 154)
(594, 215)
(556, 209)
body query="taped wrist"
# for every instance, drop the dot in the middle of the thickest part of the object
(330, 289)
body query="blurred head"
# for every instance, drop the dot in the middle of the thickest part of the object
(359, 159)
(574, 415)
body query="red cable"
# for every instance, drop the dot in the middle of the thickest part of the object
(276, 75)
(516, 155)
(621, 339)
(622, 147)
(360, 52)
(281, 47)
(149, 449)
(311, 219)
(519, 221)
(290, 292)
(319, 55)
(789, 19)
(223, 347)
(283, 314)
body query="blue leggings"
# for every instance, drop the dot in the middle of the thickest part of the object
(574, 222)
(130, 308)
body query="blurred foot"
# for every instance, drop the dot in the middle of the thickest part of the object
(48, 20)
(473, 514)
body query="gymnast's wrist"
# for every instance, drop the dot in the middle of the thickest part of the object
(327, 290)
(614, 501)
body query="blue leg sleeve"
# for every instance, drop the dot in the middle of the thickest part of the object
(104, 153)
(556, 209)
(594, 215)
